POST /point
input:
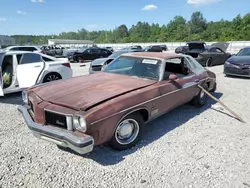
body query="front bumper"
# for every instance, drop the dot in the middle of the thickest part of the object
(64, 138)
(236, 71)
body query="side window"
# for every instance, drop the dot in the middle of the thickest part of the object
(96, 51)
(219, 50)
(15, 49)
(212, 50)
(191, 63)
(47, 59)
(30, 58)
(187, 64)
(175, 66)
(19, 57)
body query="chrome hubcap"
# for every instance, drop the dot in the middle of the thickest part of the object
(127, 131)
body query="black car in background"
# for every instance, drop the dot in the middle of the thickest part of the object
(97, 64)
(239, 64)
(207, 55)
(181, 49)
(110, 49)
(90, 54)
(164, 47)
(153, 48)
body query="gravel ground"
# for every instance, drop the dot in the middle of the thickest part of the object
(187, 147)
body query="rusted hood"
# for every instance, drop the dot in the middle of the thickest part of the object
(82, 93)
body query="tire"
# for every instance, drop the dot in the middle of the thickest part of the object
(214, 88)
(201, 99)
(209, 62)
(51, 77)
(79, 60)
(119, 143)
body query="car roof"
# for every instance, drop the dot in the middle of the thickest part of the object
(247, 47)
(19, 52)
(196, 42)
(156, 55)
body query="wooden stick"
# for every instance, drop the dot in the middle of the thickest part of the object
(217, 100)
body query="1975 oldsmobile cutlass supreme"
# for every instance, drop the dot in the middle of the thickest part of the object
(113, 105)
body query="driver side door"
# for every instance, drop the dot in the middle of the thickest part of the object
(179, 91)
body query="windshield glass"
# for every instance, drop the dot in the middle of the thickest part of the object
(244, 52)
(137, 67)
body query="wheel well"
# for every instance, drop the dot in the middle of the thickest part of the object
(144, 114)
(52, 73)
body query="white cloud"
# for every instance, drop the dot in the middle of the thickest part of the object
(149, 7)
(21, 12)
(37, 1)
(202, 2)
(3, 19)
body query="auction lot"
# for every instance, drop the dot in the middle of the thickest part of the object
(188, 147)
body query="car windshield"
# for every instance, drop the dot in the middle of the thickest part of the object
(136, 67)
(244, 52)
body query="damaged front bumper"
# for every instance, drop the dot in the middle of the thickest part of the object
(64, 138)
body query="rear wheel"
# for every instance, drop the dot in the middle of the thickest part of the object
(128, 132)
(51, 77)
(209, 62)
(80, 60)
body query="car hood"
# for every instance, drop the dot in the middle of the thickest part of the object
(222, 45)
(85, 92)
(99, 61)
(239, 60)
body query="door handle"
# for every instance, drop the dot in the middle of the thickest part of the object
(37, 66)
(197, 80)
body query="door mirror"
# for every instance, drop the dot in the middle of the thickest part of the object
(173, 77)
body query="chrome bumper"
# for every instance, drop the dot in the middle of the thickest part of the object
(58, 136)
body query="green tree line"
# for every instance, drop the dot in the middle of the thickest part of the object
(178, 29)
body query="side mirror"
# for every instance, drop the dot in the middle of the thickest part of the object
(173, 77)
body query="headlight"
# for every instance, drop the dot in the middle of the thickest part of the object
(227, 63)
(79, 123)
(25, 97)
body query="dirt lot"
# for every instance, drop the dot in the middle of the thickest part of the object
(187, 147)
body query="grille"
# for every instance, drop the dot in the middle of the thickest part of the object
(31, 106)
(55, 119)
(96, 67)
(233, 70)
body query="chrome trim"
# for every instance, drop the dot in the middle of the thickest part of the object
(69, 123)
(143, 103)
(45, 109)
(58, 136)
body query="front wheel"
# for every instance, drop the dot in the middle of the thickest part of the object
(201, 99)
(127, 132)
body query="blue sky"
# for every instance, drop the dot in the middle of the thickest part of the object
(55, 16)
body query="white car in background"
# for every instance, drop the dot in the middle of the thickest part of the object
(22, 48)
(25, 69)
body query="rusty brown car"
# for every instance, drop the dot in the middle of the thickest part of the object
(113, 105)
